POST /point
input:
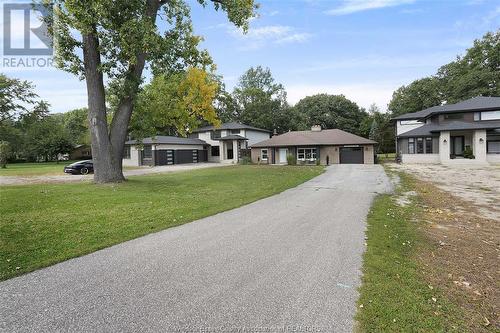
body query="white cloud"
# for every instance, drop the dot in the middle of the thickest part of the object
(364, 95)
(353, 6)
(297, 37)
(258, 37)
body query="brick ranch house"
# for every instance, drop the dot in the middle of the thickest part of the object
(329, 146)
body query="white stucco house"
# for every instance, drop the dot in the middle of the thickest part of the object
(451, 133)
(224, 144)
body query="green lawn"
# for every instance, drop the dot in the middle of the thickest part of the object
(34, 169)
(394, 296)
(47, 223)
(386, 157)
(37, 169)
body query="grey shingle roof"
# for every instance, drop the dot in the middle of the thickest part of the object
(233, 137)
(312, 138)
(471, 104)
(174, 140)
(230, 126)
(429, 129)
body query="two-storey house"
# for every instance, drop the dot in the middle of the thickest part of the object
(465, 132)
(226, 142)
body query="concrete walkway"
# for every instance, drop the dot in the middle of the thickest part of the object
(290, 262)
(65, 178)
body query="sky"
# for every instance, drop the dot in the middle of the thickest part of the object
(361, 49)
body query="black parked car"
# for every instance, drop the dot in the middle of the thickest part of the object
(80, 168)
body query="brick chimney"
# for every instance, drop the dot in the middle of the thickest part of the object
(316, 128)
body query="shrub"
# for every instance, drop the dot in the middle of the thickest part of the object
(291, 159)
(468, 152)
(245, 160)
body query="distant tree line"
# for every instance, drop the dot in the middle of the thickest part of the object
(29, 132)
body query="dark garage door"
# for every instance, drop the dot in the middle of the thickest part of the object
(179, 156)
(351, 155)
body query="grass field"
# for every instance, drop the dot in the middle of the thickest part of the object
(394, 296)
(386, 157)
(47, 223)
(36, 169)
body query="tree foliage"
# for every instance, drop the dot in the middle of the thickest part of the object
(260, 101)
(331, 111)
(418, 95)
(477, 73)
(17, 99)
(175, 104)
(117, 40)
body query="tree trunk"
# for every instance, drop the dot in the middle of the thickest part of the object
(106, 167)
(107, 146)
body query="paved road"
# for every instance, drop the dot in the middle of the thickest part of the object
(65, 178)
(289, 261)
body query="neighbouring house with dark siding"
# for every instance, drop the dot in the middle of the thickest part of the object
(441, 134)
(226, 144)
(326, 146)
(164, 150)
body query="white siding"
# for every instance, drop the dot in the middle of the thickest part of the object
(134, 157)
(256, 136)
(420, 158)
(175, 147)
(134, 152)
(493, 158)
(400, 129)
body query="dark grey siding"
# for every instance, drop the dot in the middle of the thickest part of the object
(403, 145)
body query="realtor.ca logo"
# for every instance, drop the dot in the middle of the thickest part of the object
(26, 42)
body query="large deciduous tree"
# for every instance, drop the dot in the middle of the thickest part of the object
(260, 101)
(174, 104)
(18, 99)
(118, 39)
(331, 111)
(477, 73)
(418, 95)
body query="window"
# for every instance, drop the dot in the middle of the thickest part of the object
(420, 145)
(493, 147)
(126, 152)
(428, 145)
(477, 116)
(490, 115)
(147, 152)
(214, 135)
(453, 116)
(411, 145)
(263, 154)
(306, 154)
(215, 151)
(235, 131)
(410, 122)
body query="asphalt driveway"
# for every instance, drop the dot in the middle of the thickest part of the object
(290, 262)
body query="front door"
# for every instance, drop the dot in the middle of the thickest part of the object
(457, 145)
(283, 155)
(230, 154)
